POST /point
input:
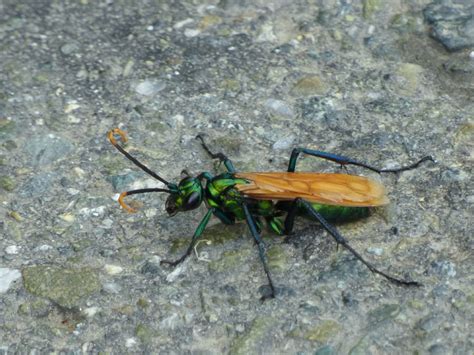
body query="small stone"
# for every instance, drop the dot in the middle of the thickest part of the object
(183, 23)
(7, 276)
(71, 106)
(130, 342)
(7, 183)
(369, 7)
(113, 269)
(44, 247)
(452, 24)
(6, 125)
(144, 333)
(111, 287)
(325, 350)
(90, 311)
(128, 68)
(382, 313)
(66, 287)
(279, 107)
(150, 87)
(375, 251)
(12, 250)
(69, 48)
(143, 303)
(323, 331)
(284, 143)
(16, 216)
(67, 217)
(151, 266)
(190, 32)
(309, 86)
(79, 172)
(410, 75)
(444, 268)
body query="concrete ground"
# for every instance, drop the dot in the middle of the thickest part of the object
(384, 82)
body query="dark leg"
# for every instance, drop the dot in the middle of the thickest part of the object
(221, 156)
(342, 241)
(290, 217)
(196, 235)
(224, 217)
(261, 248)
(347, 161)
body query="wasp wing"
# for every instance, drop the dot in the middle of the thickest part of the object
(329, 189)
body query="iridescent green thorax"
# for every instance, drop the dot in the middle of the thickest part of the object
(222, 195)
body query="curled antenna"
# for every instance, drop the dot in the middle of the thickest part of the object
(123, 137)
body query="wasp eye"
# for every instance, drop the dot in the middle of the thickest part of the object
(193, 201)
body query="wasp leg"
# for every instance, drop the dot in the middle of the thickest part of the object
(347, 161)
(261, 249)
(197, 233)
(221, 156)
(290, 217)
(342, 241)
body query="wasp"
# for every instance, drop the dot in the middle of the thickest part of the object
(274, 198)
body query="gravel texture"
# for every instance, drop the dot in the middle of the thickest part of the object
(385, 82)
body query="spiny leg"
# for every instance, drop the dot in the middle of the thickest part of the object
(197, 233)
(261, 249)
(221, 156)
(348, 161)
(342, 241)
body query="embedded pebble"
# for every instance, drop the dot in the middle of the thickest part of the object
(375, 251)
(444, 268)
(284, 143)
(12, 250)
(90, 311)
(113, 269)
(150, 87)
(279, 107)
(7, 277)
(111, 287)
(452, 23)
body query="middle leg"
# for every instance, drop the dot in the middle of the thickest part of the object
(221, 156)
(261, 249)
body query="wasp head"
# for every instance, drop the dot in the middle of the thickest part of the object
(187, 196)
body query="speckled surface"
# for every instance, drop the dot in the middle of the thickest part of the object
(383, 82)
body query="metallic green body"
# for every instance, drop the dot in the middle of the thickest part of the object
(225, 201)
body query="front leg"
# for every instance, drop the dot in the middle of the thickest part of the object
(197, 233)
(221, 156)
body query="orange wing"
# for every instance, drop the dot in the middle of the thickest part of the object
(328, 189)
